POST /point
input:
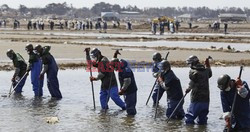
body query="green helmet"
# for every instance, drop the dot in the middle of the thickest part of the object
(164, 65)
(157, 57)
(29, 47)
(192, 60)
(46, 48)
(223, 81)
(10, 53)
(95, 53)
(39, 49)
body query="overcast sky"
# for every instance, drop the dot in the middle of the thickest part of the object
(214, 4)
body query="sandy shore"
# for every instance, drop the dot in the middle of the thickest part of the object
(67, 47)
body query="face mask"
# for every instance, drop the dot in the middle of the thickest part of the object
(163, 71)
(11, 56)
(228, 89)
(36, 52)
(28, 51)
(94, 57)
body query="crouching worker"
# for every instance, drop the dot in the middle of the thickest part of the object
(20, 70)
(51, 69)
(241, 114)
(128, 84)
(172, 85)
(107, 76)
(35, 66)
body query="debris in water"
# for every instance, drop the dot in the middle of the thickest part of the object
(219, 63)
(213, 47)
(52, 120)
(3, 95)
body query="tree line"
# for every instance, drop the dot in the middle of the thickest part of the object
(68, 10)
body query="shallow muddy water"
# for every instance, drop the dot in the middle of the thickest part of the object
(75, 110)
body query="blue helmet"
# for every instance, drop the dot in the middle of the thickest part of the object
(223, 81)
(157, 57)
(164, 66)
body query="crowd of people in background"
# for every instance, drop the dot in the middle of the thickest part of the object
(87, 24)
(3, 23)
(102, 25)
(216, 26)
(171, 26)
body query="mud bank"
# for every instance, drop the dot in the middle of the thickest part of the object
(170, 37)
(143, 64)
(135, 35)
(60, 41)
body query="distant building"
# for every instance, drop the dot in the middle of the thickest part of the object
(132, 15)
(205, 19)
(187, 17)
(232, 17)
(110, 16)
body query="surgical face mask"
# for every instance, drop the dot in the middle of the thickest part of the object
(94, 57)
(163, 71)
(11, 56)
(28, 51)
(228, 89)
(36, 52)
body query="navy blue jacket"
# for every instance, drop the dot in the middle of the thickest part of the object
(155, 67)
(126, 72)
(242, 108)
(173, 85)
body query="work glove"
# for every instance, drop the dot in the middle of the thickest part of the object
(92, 79)
(226, 115)
(160, 80)
(207, 63)
(188, 90)
(41, 76)
(87, 50)
(121, 92)
(228, 123)
(15, 79)
(116, 53)
(238, 83)
(242, 91)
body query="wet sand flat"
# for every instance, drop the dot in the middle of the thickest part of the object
(66, 50)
